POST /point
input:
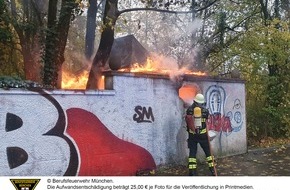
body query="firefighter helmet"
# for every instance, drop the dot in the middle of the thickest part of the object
(199, 98)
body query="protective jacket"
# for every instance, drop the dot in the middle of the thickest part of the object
(196, 116)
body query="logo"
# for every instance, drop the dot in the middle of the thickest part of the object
(25, 184)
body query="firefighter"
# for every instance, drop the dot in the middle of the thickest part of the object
(196, 116)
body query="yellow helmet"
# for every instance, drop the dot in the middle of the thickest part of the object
(199, 98)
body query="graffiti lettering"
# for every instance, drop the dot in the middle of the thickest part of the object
(72, 141)
(140, 114)
(29, 141)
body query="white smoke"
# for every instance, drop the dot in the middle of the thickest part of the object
(169, 63)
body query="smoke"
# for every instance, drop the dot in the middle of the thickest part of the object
(193, 26)
(176, 47)
(162, 62)
(76, 63)
(75, 71)
(187, 31)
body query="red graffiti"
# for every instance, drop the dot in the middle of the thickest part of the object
(101, 152)
(219, 123)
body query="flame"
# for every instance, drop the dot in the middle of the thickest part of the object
(154, 67)
(187, 92)
(70, 81)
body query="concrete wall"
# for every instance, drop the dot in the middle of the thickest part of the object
(227, 121)
(135, 126)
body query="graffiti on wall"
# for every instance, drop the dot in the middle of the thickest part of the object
(69, 142)
(219, 121)
(235, 116)
(143, 115)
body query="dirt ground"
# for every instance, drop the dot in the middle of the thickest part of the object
(273, 161)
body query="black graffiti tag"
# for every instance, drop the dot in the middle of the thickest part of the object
(141, 113)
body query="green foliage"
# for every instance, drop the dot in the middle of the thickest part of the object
(10, 59)
(263, 54)
(5, 34)
(7, 82)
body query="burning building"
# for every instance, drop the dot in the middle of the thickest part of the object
(135, 123)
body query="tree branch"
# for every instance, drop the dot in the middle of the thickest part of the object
(167, 11)
(37, 12)
(206, 6)
(243, 20)
(265, 10)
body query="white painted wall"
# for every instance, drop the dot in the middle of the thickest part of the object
(164, 138)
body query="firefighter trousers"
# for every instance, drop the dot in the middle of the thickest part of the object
(193, 141)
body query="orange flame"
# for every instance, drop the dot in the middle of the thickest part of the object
(79, 81)
(187, 92)
(70, 81)
(153, 67)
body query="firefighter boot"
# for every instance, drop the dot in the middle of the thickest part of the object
(210, 161)
(192, 172)
(212, 171)
(192, 166)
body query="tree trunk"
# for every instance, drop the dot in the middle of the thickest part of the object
(106, 43)
(29, 39)
(32, 68)
(49, 77)
(56, 41)
(66, 12)
(90, 29)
